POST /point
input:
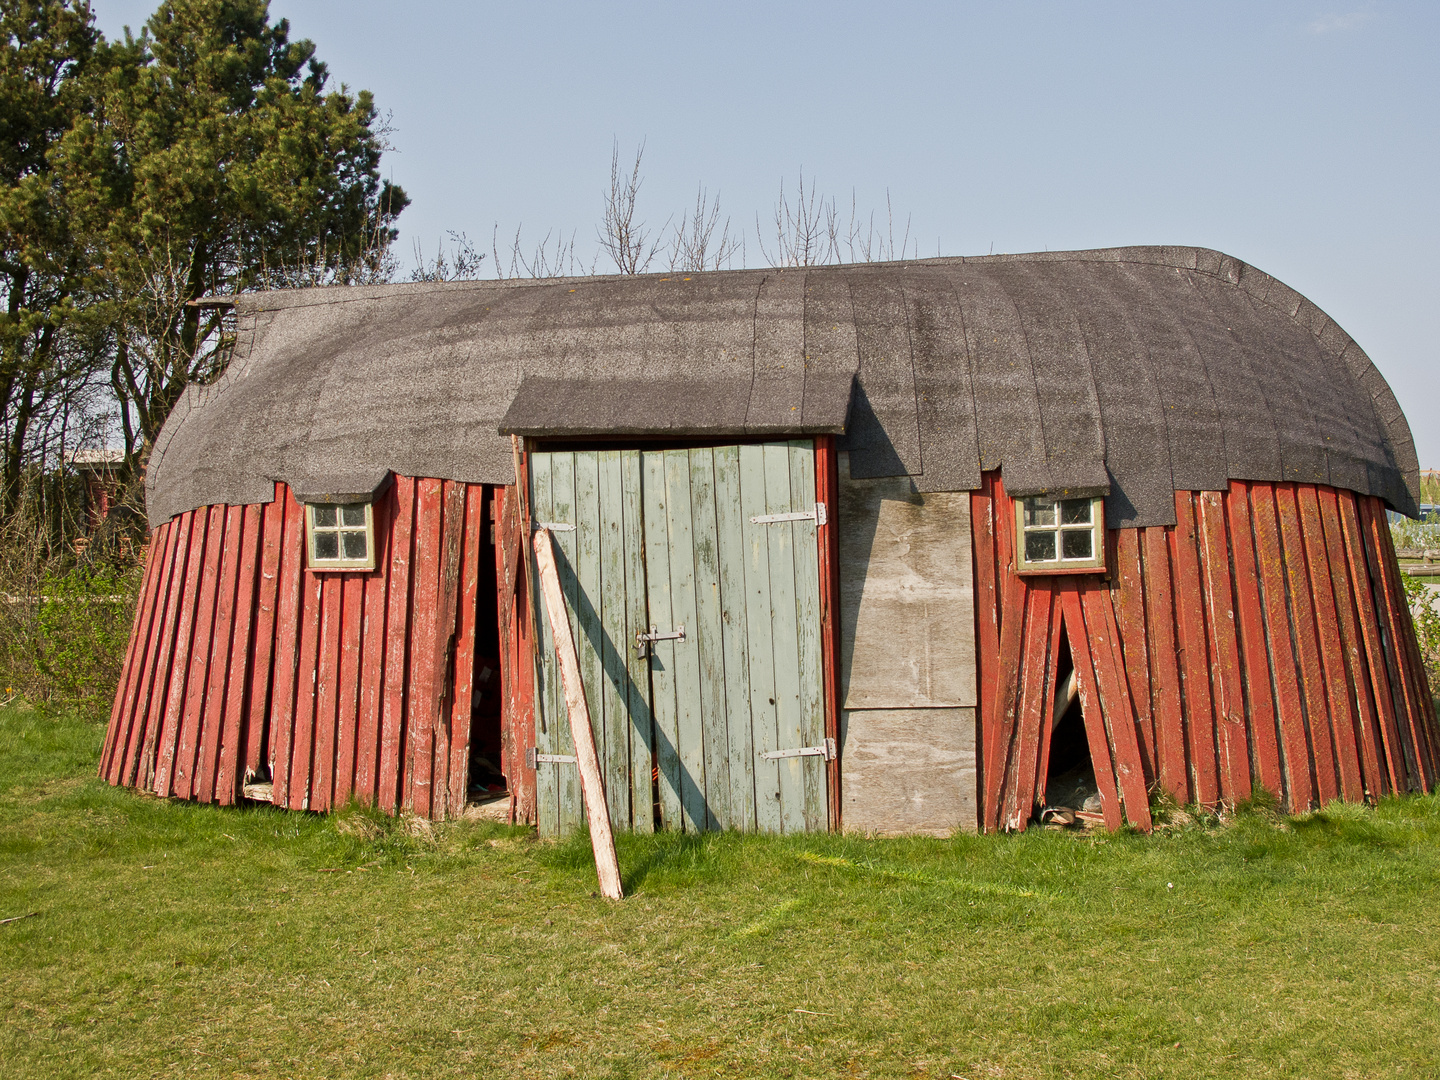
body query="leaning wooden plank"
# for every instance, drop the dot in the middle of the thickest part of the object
(1036, 672)
(122, 709)
(1366, 721)
(192, 719)
(1391, 747)
(730, 541)
(1090, 707)
(1396, 622)
(400, 585)
(1194, 649)
(1039, 780)
(1117, 709)
(288, 607)
(1165, 692)
(1427, 745)
(260, 678)
(1332, 646)
(709, 638)
(128, 754)
(1012, 588)
(180, 687)
(163, 667)
(1225, 682)
(122, 714)
(1307, 644)
(602, 840)
(1255, 656)
(222, 655)
(1284, 667)
(1129, 607)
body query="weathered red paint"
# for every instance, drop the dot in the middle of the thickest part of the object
(1344, 712)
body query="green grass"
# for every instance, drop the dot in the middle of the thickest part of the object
(180, 940)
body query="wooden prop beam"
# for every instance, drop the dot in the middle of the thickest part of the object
(601, 838)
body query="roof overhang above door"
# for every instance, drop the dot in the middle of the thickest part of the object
(678, 406)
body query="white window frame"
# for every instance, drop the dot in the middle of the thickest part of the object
(313, 562)
(1061, 565)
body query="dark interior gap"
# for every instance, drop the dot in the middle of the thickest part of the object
(486, 778)
(1070, 773)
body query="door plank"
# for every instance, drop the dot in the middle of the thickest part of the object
(611, 697)
(785, 637)
(759, 646)
(586, 605)
(730, 534)
(547, 788)
(562, 509)
(709, 638)
(685, 656)
(641, 716)
(805, 544)
(662, 653)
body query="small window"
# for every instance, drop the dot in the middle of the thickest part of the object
(341, 536)
(1059, 536)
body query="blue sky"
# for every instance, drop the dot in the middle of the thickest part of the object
(1301, 137)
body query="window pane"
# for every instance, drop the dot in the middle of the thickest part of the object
(324, 515)
(1075, 512)
(1039, 513)
(355, 545)
(1039, 547)
(327, 545)
(354, 514)
(1077, 544)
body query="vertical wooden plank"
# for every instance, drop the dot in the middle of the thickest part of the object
(230, 774)
(1225, 683)
(804, 543)
(730, 537)
(1395, 622)
(1130, 619)
(765, 735)
(1012, 589)
(610, 703)
(327, 691)
(1392, 747)
(347, 686)
(122, 712)
(288, 607)
(683, 658)
(588, 602)
(1284, 666)
(1117, 710)
(1341, 710)
(562, 509)
(221, 656)
(153, 677)
(655, 520)
(150, 733)
(827, 492)
(1255, 655)
(303, 764)
(1194, 650)
(785, 637)
(547, 736)
(641, 718)
(391, 776)
(467, 622)
(180, 687)
(1364, 732)
(1036, 673)
(1166, 696)
(192, 719)
(372, 656)
(1090, 707)
(987, 628)
(437, 695)
(1047, 707)
(424, 601)
(1307, 644)
(710, 644)
(260, 676)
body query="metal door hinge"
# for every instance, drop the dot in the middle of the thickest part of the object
(553, 526)
(533, 758)
(826, 750)
(643, 640)
(817, 515)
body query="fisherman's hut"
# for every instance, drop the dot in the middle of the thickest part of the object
(906, 547)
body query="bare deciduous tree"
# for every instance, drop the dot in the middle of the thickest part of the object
(806, 231)
(461, 263)
(553, 256)
(624, 238)
(694, 245)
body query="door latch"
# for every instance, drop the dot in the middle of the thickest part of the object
(643, 640)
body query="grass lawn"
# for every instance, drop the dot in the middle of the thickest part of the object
(180, 940)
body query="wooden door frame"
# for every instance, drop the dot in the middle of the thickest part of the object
(827, 491)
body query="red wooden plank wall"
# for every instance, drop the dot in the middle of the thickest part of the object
(343, 683)
(1263, 641)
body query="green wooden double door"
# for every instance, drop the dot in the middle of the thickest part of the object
(722, 728)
